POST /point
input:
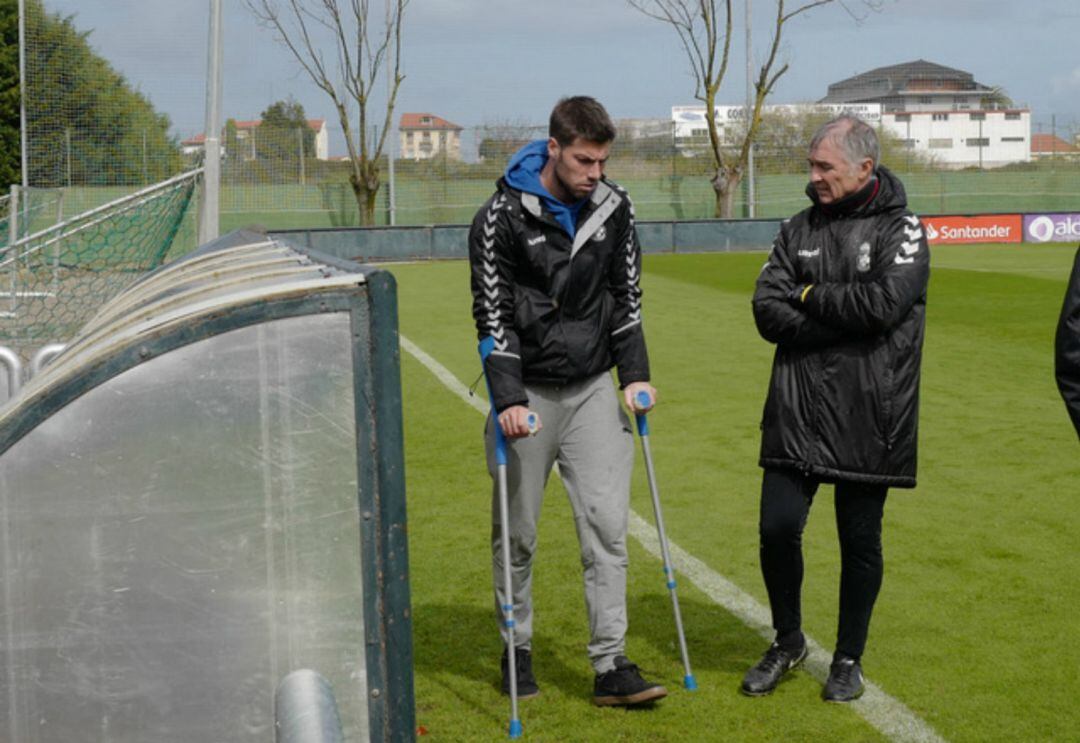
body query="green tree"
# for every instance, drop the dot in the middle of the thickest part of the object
(784, 136)
(283, 131)
(85, 123)
(996, 97)
(280, 123)
(232, 141)
(10, 170)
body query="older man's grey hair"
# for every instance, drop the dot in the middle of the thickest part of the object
(856, 139)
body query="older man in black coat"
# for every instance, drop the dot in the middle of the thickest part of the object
(843, 297)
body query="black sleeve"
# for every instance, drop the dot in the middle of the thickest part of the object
(900, 279)
(491, 265)
(624, 283)
(1067, 347)
(778, 320)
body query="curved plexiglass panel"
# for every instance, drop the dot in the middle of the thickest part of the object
(178, 539)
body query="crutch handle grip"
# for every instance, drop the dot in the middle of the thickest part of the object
(532, 420)
(642, 401)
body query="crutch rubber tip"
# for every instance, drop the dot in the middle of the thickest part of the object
(690, 683)
(515, 728)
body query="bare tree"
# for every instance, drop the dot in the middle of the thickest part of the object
(705, 33)
(362, 47)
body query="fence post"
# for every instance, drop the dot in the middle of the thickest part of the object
(56, 250)
(300, 150)
(67, 154)
(209, 204)
(13, 237)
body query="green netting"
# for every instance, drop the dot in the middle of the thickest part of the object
(52, 281)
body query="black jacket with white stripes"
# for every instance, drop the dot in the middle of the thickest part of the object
(843, 401)
(1067, 347)
(559, 310)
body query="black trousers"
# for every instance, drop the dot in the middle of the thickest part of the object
(786, 497)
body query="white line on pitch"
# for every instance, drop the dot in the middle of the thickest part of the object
(885, 713)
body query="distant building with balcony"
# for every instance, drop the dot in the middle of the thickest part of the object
(424, 136)
(943, 113)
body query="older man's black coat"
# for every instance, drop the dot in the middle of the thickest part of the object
(843, 401)
(1067, 347)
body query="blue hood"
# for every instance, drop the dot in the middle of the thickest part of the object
(523, 173)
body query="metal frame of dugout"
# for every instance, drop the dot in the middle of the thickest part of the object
(203, 493)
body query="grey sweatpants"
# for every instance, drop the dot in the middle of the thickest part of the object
(588, 433)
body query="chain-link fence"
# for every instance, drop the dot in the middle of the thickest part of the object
(668, 178)
(52, 280)
(93, 136)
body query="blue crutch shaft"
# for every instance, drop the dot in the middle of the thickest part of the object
(515, 729)
(642, 401)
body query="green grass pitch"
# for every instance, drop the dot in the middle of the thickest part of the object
(975, 627)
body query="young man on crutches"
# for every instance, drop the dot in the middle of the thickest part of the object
(555, 263)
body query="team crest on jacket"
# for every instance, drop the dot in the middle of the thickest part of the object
(600, 234)
(862, 262)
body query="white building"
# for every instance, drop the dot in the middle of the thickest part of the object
(960, 139)
(423, 136)
(942, 113)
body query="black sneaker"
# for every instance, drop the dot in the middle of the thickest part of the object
(623, 685)
(845, 682)
(526, 682)
(763, 677)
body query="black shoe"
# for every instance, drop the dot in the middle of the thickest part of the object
(526, 682)
(623, 685)
(845, 682)
(763, 678)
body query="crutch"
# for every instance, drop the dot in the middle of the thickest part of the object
(642, 401)
(486, 347)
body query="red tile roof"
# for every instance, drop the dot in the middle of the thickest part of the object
(427, 121)
(1049, 143)
(317, 125)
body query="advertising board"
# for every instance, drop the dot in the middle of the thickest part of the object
(982, 228)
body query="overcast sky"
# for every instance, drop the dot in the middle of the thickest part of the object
(497, 61)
